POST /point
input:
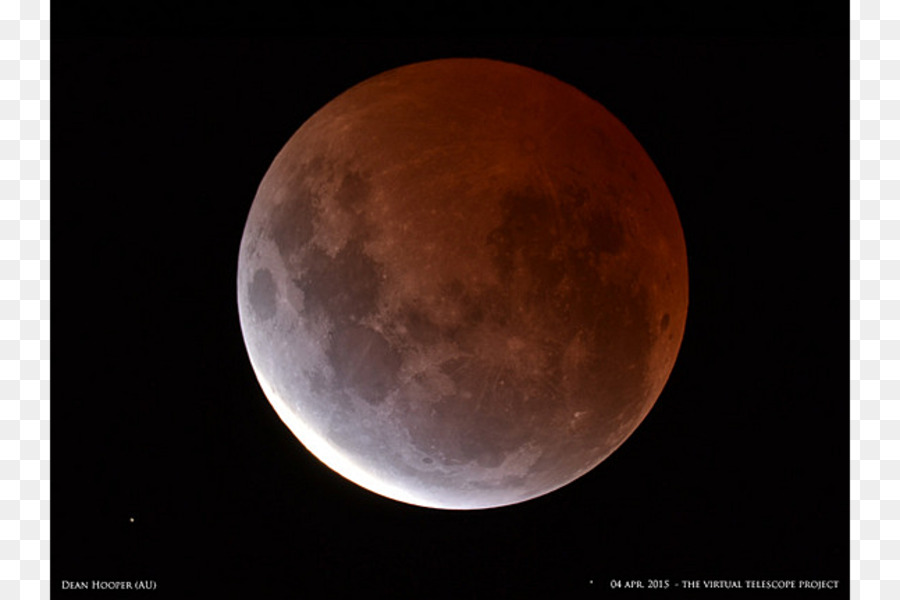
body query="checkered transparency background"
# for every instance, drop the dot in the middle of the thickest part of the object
(874, 294)
(24, 299)
(875, 298)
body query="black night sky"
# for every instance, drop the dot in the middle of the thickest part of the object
(161, 133)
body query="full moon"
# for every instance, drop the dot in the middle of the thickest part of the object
(462, 284)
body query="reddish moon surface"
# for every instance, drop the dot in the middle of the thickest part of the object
(462, 284)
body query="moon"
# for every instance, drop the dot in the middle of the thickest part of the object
(462, 284)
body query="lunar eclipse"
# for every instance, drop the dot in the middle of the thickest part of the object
(160, 143)
(462, 284)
